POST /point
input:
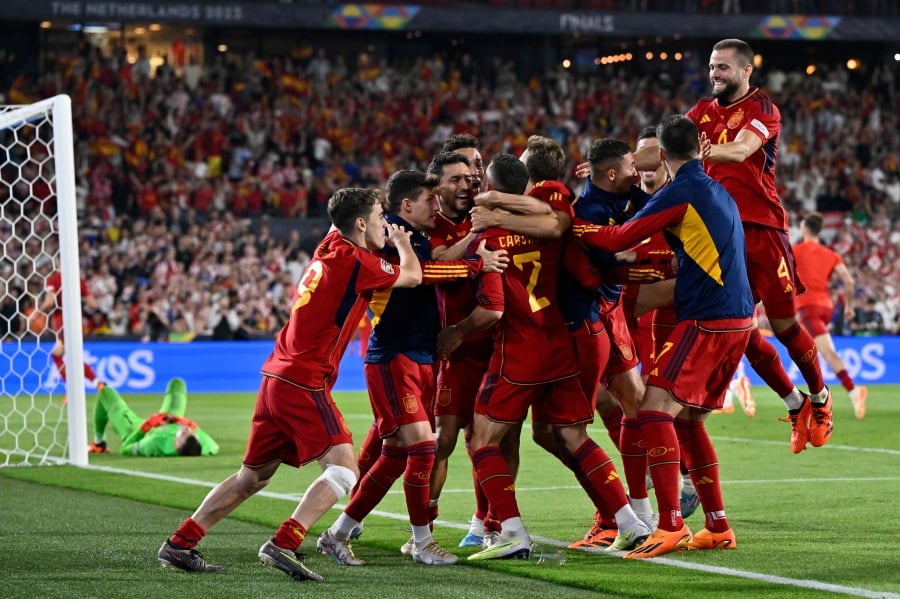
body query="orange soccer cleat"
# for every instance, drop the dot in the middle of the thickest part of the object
(597, 536)
(100, 447)
(821, 424)
(661, 542)
(706, 539)
(799, 420)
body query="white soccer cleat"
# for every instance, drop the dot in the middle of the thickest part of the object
(407, 547)
(340, 551)
(433, 554)
(491, 538)
(507, 547)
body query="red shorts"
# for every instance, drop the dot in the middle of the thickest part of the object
(401, 392)
(642, 337)
(458, 381)
(293, 424)
(815, 318)
(558, 402)
(622, 355)
(771, 270)
(698, 361)
(592, 346)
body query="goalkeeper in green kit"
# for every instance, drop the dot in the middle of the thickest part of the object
(166, 433)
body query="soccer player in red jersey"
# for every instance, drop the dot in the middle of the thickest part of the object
(739, 127)
(714, 306)
(459, 375)
(295, 420)
(400, 375)
(524, 301)
(816, 265)
(52, 305)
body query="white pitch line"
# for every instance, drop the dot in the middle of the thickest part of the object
(791, 582)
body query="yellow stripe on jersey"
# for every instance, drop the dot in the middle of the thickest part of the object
(445, 272)
(378, 305)
(698, 244)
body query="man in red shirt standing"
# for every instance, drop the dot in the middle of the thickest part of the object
(52, 305)
(816, 265)
(739, 130)
(295, 420)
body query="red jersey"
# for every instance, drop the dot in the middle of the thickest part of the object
(532, 343)
(332, 297)
(752, 182)
(53, 286)
(456, 299)
(815, 265)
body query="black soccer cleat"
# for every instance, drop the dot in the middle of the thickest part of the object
(189, 560)
(289, 562)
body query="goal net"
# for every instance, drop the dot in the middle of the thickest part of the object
(38, 233)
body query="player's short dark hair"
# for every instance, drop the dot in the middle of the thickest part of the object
(460, 140)
(608, 152)
(742, 49)
(190, 446)
(443, 159)
(813, 222)
(406, 184)
(508, 174)
(647, 133)
(678, 137)
(546, 160)
(350, 203)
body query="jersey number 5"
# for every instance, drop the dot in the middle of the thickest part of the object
(307, 285)
(533, 258)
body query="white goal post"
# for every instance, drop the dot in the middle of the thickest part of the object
(37, 149)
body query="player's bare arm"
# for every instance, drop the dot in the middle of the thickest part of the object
(457, 251)
(744, 145)
(543, 226)
(410, 268)
(450, 338)
(518, 204)
(844, 275)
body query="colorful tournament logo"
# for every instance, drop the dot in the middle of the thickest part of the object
(371, 16)
(796, 27)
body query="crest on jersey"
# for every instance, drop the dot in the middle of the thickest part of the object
(410, 404)
(387, 266)
(443, 397)
(625, 350)
(735, 119)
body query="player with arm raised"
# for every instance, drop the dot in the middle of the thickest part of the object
(295, 420)
(713, 306)
(739, 127)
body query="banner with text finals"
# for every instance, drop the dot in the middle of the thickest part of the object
(216, 366)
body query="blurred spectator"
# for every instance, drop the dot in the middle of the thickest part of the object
(178, 174)
(868, 320)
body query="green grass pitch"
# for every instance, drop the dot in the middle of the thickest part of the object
(824, 522)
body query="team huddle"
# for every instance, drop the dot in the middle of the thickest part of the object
(466, 270)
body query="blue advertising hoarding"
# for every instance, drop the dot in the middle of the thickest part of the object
(216, 366)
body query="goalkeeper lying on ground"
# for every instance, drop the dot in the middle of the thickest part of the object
(166, 433)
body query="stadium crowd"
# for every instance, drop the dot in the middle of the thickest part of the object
(181, 174)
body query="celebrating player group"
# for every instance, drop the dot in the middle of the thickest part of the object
(465, 269)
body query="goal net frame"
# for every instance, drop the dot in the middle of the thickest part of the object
(62, 185)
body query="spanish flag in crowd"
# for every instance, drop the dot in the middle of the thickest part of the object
(294, 85)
